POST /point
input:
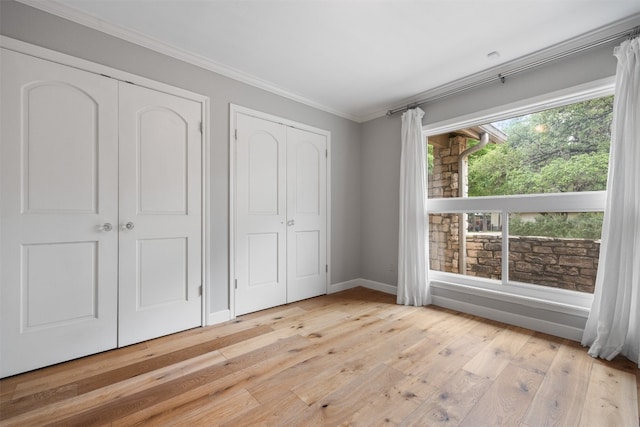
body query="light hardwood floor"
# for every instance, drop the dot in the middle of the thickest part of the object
(352, 358)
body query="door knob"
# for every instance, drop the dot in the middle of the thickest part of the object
(106, 227)
(128, 226)
(291, 222)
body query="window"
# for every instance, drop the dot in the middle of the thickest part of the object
(516, 202)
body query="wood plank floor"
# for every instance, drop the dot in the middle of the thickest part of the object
(347, 359)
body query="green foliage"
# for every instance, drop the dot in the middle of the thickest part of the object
(499, 170)
(584, 172)
(429, 159)
(560, 150)
(585, 225)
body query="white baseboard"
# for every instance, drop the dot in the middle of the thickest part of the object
(343, 286)
(379, 286)
(365, 283)
(218, 317)
(556, 329)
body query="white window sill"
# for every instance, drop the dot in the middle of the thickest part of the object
(547, 298)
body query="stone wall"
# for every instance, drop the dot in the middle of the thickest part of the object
(444, 250)
(443, 177)
(560, 263)
(484, 255)
(444, 228)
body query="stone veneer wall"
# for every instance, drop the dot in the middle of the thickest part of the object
(560, 263)
(443, 228)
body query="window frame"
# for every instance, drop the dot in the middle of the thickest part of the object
(568, 301)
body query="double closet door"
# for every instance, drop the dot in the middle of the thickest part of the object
(101, 213)
(280, 207)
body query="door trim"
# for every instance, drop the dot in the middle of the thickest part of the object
(235, 109)
(204, 101)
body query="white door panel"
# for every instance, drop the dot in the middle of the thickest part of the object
(61, 148)
(162, 264)
(58, 183)
(62, 272)
(162, 150)
(306, 214)
(260, 247)
(160, 214)
(280, 214)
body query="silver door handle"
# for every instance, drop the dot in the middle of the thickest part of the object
(106, 227)
(128, 226)
(291, 222)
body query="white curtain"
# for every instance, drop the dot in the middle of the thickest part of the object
(613, 326)
(413, 251)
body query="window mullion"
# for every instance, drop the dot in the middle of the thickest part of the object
(505, 246)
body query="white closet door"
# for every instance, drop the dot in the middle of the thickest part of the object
(260, 214)
(58, 258)
(306, 214)
(160, 214)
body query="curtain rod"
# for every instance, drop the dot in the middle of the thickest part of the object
(629, 34)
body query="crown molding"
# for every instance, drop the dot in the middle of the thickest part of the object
(63, 11)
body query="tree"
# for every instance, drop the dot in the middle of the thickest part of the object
(584, 225)
(429, 159)
(496, 170)
(584, 172)
(558, 150)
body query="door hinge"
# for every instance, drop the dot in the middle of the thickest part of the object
(326, 153)
(200, 290)
(236, 283)
(201, 128)
(326, 268)
(235, 134)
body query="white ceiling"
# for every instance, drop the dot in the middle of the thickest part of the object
(355, 58)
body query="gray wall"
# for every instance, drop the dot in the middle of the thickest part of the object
(31, 25)
(381, 146)
(380, 177)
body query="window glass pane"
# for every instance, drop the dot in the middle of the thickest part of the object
(560, 250)
(444, 250)
(559, 150)
(480, 255)
(540, 155)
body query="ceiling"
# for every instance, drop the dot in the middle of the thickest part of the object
(355, 58)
